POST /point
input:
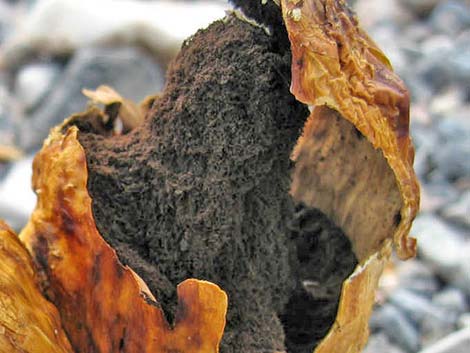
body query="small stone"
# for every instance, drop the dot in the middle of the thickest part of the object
(416, 307)
(17, 200)
(34, 81)
(438, 194)
(376, 12)
(420, 7)
(450, 17)
(452, 300)
(459, 211)
(129, 71)
(415, 276)
(445, 249)
(457, 342)
(460, 62)
(437, 45)
(464, 321)
(379, 342)
(417, 32)
(60, 27)
(452, 154)
(433, 66)
(396, 326)
(447, 102)
(8, 115)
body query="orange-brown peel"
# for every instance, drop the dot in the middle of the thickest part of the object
(368, 188)
(28, 322)
(335, 63)
(104, 306)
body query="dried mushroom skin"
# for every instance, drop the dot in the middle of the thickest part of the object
(28, 322)
(229, 178)
(354, 159)
(105, 306)
(335, 63)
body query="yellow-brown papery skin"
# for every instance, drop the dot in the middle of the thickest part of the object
(335, 63)
(28, 322)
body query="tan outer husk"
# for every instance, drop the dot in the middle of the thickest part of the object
(339, 72)
(335, 63)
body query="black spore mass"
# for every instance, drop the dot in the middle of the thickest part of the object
(201, 190)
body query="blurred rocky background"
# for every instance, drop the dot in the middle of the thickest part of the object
(51, 49)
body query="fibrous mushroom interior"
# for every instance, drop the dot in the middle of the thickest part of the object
(207, 187)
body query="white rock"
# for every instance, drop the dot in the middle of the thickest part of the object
(61, 26)
(374, 12)
(457, 342)
(420, 7)
(34, 81)
(464, 321)
(17, 199)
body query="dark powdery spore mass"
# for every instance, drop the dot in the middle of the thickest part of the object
(200, 190)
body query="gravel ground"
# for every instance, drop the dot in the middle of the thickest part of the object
(51, 49)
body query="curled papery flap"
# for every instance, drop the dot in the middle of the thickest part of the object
(28, 322)
(104, 306)
(354, 160)
(335, 63)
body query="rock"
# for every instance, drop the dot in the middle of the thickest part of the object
(58, 27)
(450, 17)
(8, 114)
(425, 139)
(452, 300)
(17, 200)
(464, 321)
(445, 103)
(452, 153)
(433, 66)
(376, 12)
(34, 81)
(457, 342)
(445, 249)
(438, 194)
(451, 303)
(414, 276)
(417, 31)
(416, 307)
(459, 211)
(420, 7)
(379, 342)
(460, 63)
(129, 71)
(396, 326)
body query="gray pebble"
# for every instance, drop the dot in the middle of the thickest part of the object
(416, 307)
(457, 342)
(396, 326)
(416, 277)
(445, 249)
(459, 211)
(452, 300)
(420, 7)
(450, 17)
(464, 321)
(379, 342)
(129, 71)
